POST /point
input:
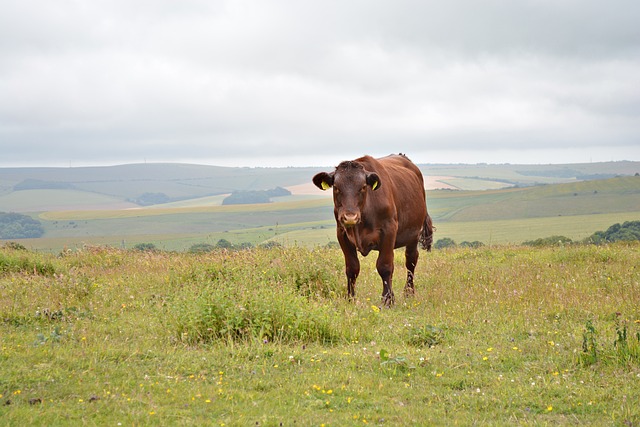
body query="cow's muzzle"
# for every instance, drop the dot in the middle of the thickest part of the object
(350, 219)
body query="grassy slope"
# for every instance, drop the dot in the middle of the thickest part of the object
(579, 198)
(105, 337)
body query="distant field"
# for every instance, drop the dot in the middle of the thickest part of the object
(511, 215)
(35, 200)
(191, 185)
(499, 232)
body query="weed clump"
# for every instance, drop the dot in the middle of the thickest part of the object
(624, 351)
(274, 300)
(17, 262)
(425, 336)
(243, 315)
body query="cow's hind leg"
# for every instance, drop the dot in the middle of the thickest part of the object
(411, 258)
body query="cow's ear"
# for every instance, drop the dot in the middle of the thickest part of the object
(323, 180)
(373, 180)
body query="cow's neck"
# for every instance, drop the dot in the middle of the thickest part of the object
(355, 237)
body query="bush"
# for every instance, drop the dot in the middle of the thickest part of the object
(474, 244)
(270, 245)
(15, 246)
(445, 243)
(549, 241)
(145, 247)
(199, 248)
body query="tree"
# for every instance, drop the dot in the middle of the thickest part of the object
(627, 231)
(18, 226)
(257, 196)
(148, 199)
(224, 244)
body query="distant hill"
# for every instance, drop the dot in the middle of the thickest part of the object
(132, 184)
(126, 186)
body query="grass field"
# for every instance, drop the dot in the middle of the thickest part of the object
(499, 336)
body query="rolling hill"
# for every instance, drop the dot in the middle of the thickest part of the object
(94, 205)
(117, 187)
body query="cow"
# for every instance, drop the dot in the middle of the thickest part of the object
(379, 204)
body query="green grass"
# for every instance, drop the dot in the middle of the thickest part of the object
(494, 336)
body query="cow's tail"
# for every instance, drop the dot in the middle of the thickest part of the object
(426, 235)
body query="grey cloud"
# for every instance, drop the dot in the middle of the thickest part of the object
(119, 80)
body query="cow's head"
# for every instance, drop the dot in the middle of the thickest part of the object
(351, 183)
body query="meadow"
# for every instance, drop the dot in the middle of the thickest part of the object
(500, 335)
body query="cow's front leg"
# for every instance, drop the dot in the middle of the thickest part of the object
(384, 266)
(411, 256)
(352, 265)
(352, 270)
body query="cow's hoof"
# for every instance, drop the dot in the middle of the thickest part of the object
(388, 300)
(409, 291)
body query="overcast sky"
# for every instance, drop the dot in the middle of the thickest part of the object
(310, 83)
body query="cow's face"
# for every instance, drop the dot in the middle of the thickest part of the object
(351, 184)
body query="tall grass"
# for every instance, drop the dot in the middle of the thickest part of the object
(494, 336)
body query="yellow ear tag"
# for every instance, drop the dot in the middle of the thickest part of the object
(325, 186)
(375, 185)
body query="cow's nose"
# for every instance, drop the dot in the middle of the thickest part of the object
(350, 218)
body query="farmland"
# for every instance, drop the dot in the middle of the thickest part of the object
(500, 336)
(510, 215)
(493, 204)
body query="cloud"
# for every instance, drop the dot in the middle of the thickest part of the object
(118, 81)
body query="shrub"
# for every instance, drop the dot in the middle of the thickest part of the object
(549, 241)
(201, 248)
(15, 246)
(474, 244)
(445, 243)
(145, 247)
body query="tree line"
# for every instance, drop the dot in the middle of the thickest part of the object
(625, 232)
(19, 226)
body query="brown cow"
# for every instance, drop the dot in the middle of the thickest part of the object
(379, 204)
